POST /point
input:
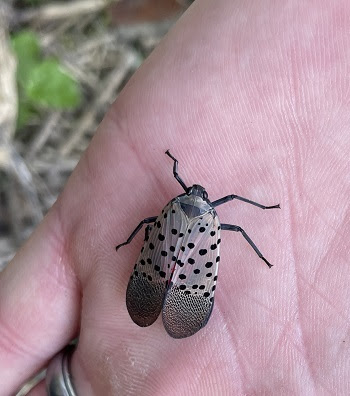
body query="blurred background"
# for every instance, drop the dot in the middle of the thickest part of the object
(62, 63)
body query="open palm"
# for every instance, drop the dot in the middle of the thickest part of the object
(252, 99)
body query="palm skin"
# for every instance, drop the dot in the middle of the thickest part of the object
(253, 99)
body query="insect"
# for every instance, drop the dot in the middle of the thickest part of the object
(176, 271)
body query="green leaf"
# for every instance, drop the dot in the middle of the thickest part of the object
(26, 113)
(49, 85)
(26, 47)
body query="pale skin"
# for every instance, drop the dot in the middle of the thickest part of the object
(253, 99)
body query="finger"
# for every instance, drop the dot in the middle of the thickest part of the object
(39, 305)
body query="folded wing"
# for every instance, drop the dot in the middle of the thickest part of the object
(151, 275)
(190, 297)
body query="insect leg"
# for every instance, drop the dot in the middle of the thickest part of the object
(233, 196)
(148, 220)
(176, 175)
(230, 227)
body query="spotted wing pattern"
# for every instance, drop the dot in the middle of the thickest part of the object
(151, 275)
(190, 296)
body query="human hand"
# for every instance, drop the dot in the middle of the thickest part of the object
(253, 100)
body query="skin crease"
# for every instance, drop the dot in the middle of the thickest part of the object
(252, 98)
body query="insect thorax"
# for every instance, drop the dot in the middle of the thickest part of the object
(193, 206)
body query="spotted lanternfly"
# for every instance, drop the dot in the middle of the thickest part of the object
(176, 272)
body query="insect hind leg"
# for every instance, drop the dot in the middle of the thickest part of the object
(231, 227)
(176, 175)
(234, 196)
(148, 220)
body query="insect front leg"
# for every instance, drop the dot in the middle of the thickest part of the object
(148, 220)
(231, 227)
(176, 175)
(233, 196)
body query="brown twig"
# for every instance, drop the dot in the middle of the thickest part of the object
(57, 11)
(44, 134)
(107, 91)
(8, 87)
(31, 384)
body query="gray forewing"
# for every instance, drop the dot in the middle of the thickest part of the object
(190, 298)
(152, 271)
